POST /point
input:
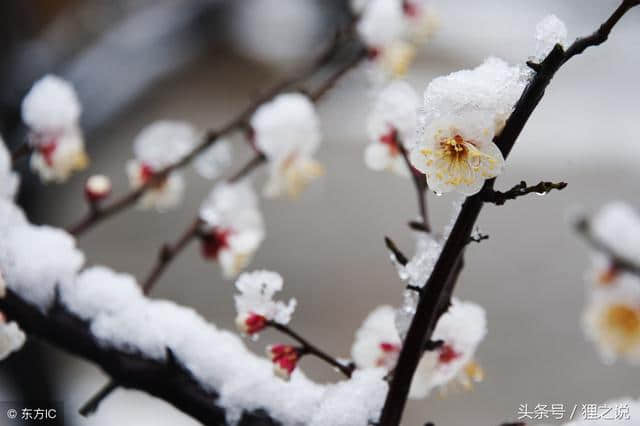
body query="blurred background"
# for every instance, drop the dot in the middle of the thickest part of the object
(136, 61)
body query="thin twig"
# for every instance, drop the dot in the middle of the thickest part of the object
(239, 121)
(420, 185)
(309, 348)
(400, 257)
(499, 198)
(619, 262)
(436, 293)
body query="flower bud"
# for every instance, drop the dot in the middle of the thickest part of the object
(285, 359)
(97, 188)
(250, 323)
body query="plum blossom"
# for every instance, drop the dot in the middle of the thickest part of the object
(457, 153)
(214, 160)
(611, 319)
(9, 180)
(285, 359)
(549, 32)
(11, 337)
(287, 132)
(391, 122)
(392, 30)
(232, 226)
(51, 110)
(255, 304)
(157, 147)
(378, 344)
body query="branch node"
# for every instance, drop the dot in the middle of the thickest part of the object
(391, 246)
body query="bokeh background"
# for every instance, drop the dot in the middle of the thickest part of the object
(136, 61)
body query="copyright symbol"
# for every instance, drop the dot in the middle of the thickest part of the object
(11, 413)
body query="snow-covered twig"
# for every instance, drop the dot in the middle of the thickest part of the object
(164, 379)
(499, 197)
(437, 291)
(583, 227)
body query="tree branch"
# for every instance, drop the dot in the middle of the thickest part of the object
(420, 185)
(499, 198)
(437, 291)
(391, 246)
(166, 380)
(583, 227)
(309, 348)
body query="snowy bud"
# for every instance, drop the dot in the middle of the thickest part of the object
(285, 359)
(97, 188)
(250, 323)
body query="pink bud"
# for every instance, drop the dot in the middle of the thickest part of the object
(285, 359)
(250, 323)
(97, 188)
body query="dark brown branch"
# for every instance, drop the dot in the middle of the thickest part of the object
(420, 185)
(20, 152)
(169, 252)
(167, 380)
(308, 348)
(618, 261)
(499, 198)
(437, 291)
(400, 257)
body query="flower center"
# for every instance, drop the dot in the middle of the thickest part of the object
(390, 139)
(47, 150)
(214, 242)
(447, 354)
(389, 356)
(624, 321)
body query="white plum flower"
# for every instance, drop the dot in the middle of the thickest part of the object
(11, 337)
(549, 32)
(255, 304)
(214, 160)
(158, 146)
(392, 30)
(391, 122)
(9, 180)
(611, 319)
(287, 132)
(461, 329)
(457, 153)
(51, 110)
(57, 157)
(232, 226)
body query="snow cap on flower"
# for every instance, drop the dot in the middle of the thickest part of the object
(233, 227)
(549, 32)
(287, 132)
(163, 143)
(377, 344)
(51, 105)
(391, 122)
(9, 180)
(285, 359)
(617, 225)
(611, 319)
(97, 188)
(255, 300)
(157, 146)
(492, 87)
(382, 23)
(11, 337)
(457, 153)
(214, 160)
